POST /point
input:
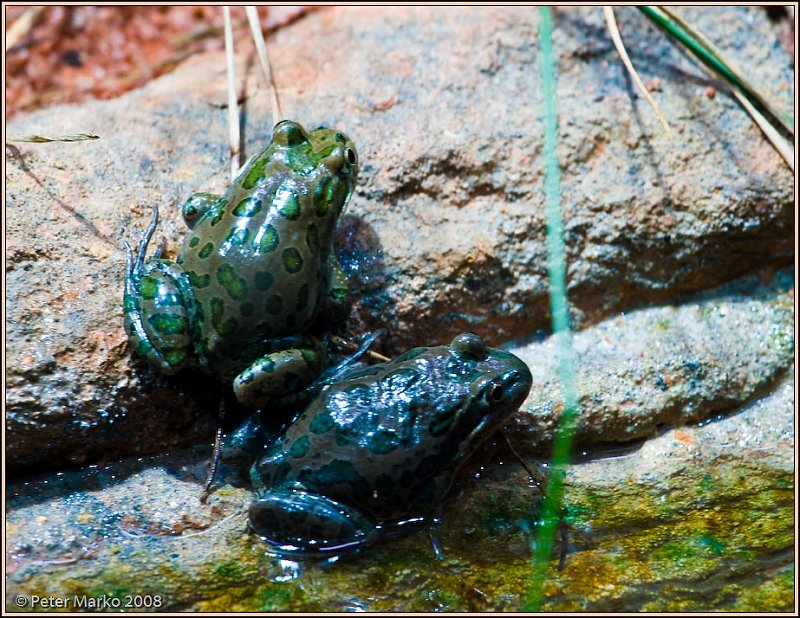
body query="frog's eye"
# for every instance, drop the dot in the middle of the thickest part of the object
(469, 346)
(335, 160)
(288, 133)
(495, 393)
(351, 156)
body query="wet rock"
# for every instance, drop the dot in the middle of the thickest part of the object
(446, 231)
(664, 365)
(699, 518)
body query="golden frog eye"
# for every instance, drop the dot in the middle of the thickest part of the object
(495, 393)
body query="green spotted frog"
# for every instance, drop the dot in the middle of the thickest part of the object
(254, 274)
(375, 452)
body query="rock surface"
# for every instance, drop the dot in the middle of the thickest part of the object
(446, 232)
(665, 365)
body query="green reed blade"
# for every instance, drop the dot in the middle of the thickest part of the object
(559, 306)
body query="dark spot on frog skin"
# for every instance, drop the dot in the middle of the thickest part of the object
(292, 260)
(267, 240)
(312, 359)
(263, 280)
(274, 305)
(148, 288)
(255, 174)
(264, 365)
(175, 356)
(168, 323)
(194, 242)
(218, 213)
(321, 423)
(248, 207)
(289, 205)
(312, 239)
(246, 309)
(199, 281)
(233, 283)
(217, 313)
(207, 250)
(73, 59)
(300, 447)
(237, 237)
(383, 442)
(441, 420)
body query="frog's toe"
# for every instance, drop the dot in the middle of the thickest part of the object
(277, 376)
(295, 521)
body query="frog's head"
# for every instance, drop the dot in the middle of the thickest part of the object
(499, 383)
(329, 153)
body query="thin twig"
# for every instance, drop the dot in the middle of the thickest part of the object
(347, 345)
(263, 57)
(41, 139)
(611, 22)
(233, 108)
(712, 57)
(780, 143)
(23, 25)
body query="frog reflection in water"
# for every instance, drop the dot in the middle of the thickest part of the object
(379, 447)
(255, 273)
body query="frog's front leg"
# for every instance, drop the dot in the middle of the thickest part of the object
(296, 521)
(197, 206)
(159, 308)
(282, 377)
(337, 301)
(245, 443)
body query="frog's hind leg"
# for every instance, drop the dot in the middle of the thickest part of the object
(282, 377)
(294, 521)
(158, 307)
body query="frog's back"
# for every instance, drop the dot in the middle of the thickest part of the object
(257, 258)
(387, 438)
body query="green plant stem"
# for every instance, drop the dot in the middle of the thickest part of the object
(709, 55)
(556, 269)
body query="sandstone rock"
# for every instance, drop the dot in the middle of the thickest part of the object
(446, 231)
(664, 365)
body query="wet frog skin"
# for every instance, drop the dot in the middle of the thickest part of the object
(254, 274)
(379, 448)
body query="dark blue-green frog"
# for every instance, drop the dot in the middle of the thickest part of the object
(254, 274)
(376, 451)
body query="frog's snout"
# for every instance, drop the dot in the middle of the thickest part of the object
(517, 384)
(517, 380)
